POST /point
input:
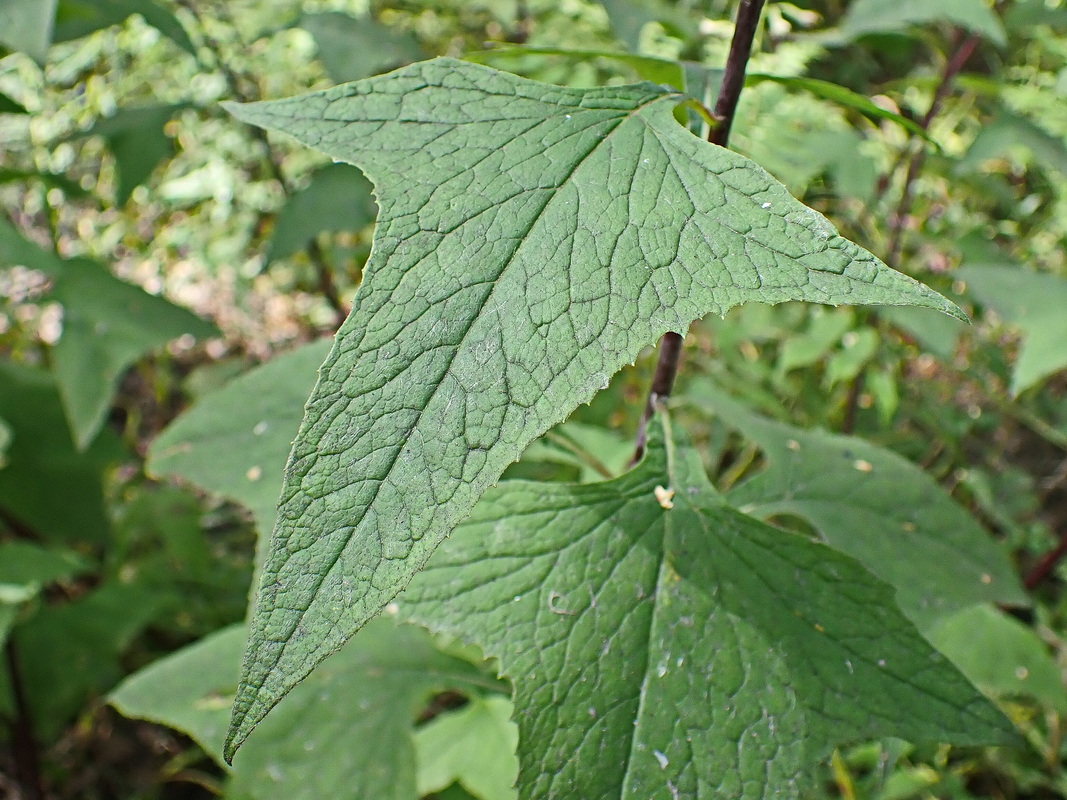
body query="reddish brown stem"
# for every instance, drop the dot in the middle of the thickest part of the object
(733, 81)
(964, 49)
(1043, 568)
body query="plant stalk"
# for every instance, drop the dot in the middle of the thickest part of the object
(964, 48)
(733, 81)
(24, 744)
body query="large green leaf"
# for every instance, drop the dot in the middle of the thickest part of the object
(338, 198)
(663, 644)
(137, 140)
(1033, 302)
(346, 734)
(107, 325)
(873, 505)
(881, 16)
(351, 48)
(26, 26)
(531, 241)
(234, 440)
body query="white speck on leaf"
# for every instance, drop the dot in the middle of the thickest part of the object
(665, 497)
(662, 759)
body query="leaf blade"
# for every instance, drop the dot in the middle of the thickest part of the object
(692, 649)
(526, 250)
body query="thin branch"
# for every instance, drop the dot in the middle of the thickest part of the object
(964, 47)
(1046, 564)
(733, 81)
(323, 270)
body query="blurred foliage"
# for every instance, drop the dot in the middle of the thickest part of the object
(154, 251)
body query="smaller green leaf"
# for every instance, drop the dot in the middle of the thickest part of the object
(9, 106)
(338, 198)
(26, 26)
(138, 142)
(346, 732)
(78, 18)
(1001, 656)
(474, 747)
(235, 440)
(873, 504)
(351, 48)
(1033, 302)
(107, 325)
(887, 16)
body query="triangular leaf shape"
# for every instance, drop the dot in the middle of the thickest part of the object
(663, 644)
(531, 241)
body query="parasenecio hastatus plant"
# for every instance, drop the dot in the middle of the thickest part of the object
(531, 240)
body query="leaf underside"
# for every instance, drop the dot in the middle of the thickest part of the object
(531, 241)
(690, 651)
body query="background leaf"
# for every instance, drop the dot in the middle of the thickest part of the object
(489, 311)
(107, 325)
(47, 483)
(26, 26)
(78, 18)
(352, 723)
(235, 440)
(1033, 302)
(351, 48)
(1003, 657)
(137, 139)
(881, 16)
(338, 198)
(868, 502)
